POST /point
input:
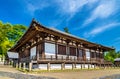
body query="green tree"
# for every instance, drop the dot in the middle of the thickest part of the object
(9, 35)
(118, 54)
(110, 55)
(66, 30)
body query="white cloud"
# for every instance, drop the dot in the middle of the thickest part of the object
(71, 7)
(33, 6)
(100, 29)
(103, 10)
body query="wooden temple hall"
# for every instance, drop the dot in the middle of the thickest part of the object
(46, 48)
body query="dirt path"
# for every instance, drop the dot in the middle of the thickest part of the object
(7, 68)
(5, 78)
(82, 74)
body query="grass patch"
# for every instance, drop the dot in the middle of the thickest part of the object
(37, 71)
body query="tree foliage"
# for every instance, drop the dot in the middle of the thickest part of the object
(111, 55)
(66, 30)
(9, 35)
(118, 54)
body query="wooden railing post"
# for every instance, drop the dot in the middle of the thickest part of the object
(74, 59)
(73, 66)
(19, 65)
(30, 66)
(81, 66)
(88, 66)
(24, 66)
(62, 57)
(51, 57)
(16, 64)
(48, 66)
(94, 66)
(62, 66)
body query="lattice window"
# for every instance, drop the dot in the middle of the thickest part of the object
(73, 51)
(61, 50)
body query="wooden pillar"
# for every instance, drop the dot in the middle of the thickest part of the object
(104, 66)
(56, 49)
(24, 66)
(84, 54)
(90, 54)
(77, 51)
(30, 66)
(91, 65)
(37, 52)
(48, 66)
(81, 66)
(62, 66)
(19, 65)
(95, 55)
(94, 66)
(12, 63)
(99, 65)
(16, 64)
(43, 49)
(88, 66)
(67, 50)
(113, 66)
(119, 65)
(73, 66)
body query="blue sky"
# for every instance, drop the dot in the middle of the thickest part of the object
(95, 20)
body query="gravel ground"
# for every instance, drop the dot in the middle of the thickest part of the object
(7, 72)
(82, 74)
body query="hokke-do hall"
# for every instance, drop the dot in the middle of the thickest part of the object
(46, 49)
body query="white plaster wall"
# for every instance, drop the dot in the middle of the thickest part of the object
(55, 66)
(49, 48)
(60, 57)
(87, 55)
(68, 66)
(42, 66)
(78, 66)
(58, 66)
(33, 52)
(73, 57)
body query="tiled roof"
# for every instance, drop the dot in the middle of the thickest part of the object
(117, 59)
(66, 33)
